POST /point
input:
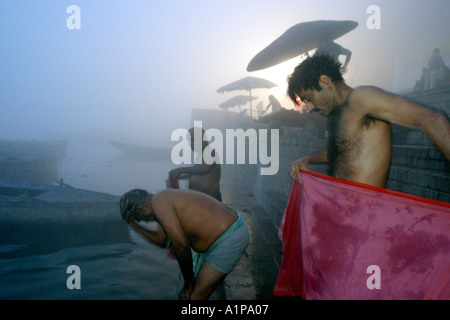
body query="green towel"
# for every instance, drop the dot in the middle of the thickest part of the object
(199, 258)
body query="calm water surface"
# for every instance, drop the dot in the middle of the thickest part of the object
(128, 268)
(116, 271)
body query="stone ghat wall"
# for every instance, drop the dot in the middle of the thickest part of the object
(417, 167)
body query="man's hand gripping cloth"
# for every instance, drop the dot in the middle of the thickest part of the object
(226, 251)
(346, 240)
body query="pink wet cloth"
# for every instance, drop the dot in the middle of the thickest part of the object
(334, 230)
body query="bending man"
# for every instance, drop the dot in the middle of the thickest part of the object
(190, 220)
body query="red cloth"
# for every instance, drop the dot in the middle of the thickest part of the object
(333, 230)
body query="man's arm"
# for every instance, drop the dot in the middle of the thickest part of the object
(157, 237)
(389, 107)
(302, 163)
(195, 169)
(187, 172)
(348, 55)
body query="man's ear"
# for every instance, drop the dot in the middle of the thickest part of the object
(325, 82)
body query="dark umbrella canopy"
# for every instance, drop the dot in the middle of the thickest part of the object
(238, 100)
(247, 84)
(300, 39)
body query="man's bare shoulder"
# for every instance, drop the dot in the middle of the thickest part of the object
(365, 94)
(367, 100)
(164, 194)
(163, 199)
(176, 195)
(171, 200)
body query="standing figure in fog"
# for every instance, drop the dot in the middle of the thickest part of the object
(202, 177)
(435, 72)
(359, 143)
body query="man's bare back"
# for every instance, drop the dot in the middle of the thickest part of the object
(190, 220)
(208, 182)
(201, 218)
(202, 177)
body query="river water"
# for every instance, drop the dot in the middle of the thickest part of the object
(120, 268)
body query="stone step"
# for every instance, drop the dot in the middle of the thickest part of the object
(420, 157)
(423, 183)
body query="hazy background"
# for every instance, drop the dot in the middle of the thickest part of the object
(135, 69)
(133, 73)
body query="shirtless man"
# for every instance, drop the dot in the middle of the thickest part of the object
(202, 177)
(359, 146)
(190, 220)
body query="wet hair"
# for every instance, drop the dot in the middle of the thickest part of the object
(306, 75)
(132, 201)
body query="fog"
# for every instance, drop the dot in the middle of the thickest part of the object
(135, 69)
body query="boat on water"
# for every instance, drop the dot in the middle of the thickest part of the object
(36, 219)
(39, 215)
(31, 160)
(33, 148)
(26, 202)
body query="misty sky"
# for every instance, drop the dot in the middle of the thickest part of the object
(136, 69)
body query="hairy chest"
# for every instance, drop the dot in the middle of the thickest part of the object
(349, 136)
(346, 131)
